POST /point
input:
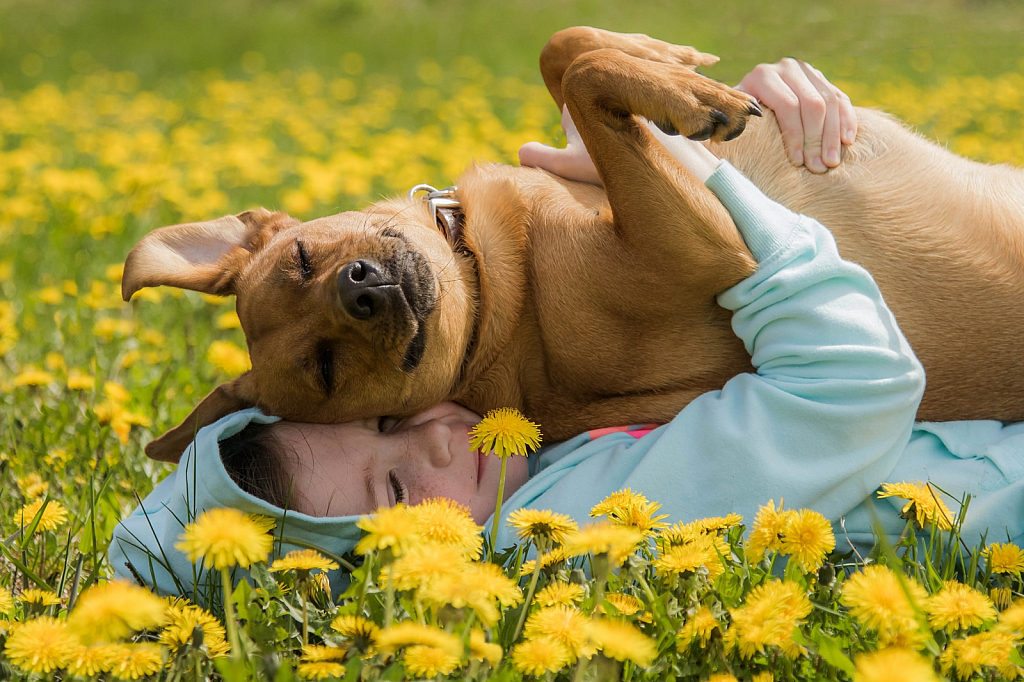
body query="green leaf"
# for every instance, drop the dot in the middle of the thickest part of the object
(832, 651)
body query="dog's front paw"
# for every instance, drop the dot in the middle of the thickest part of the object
(707, 110)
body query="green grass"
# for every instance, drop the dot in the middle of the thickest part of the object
(164, 40)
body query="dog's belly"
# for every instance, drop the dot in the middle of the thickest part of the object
(944, 239)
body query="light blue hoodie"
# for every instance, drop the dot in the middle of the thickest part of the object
(827, 418)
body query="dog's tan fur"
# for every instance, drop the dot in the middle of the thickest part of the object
(587, 308)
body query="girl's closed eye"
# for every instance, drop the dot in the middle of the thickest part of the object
(396, 488)
(386, 424)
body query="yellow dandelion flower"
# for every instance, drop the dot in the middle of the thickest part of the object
(50, 295)
(563, 624)
(540, 656)
(1005, 558)
(970, 656)
(625, 604)
(505, 432)
(924, 506)
(33, 486)
(880, 667)
(763, 676)
(447, 522)
(722, 677)
(228, 358)
(620, 499)
(111, 611)
(320, 670)
(312, 653)
(766, 534)
(808, 538)
(132, 661)
(425, 562)
(1012, 619)
(682, 559)
(302, 562)
(33, 377)
(604, 538)
(228, 320)
(428, 661)
(769, 617)
(641, 517)
(39, 597)
(183, 619)
(78, 381)
(391, 528)
(116, 392)
(559, 593)
(265, 524)
(224, 538)
(878, 601)
(686, 532)
(619, 640)
(957, 606)
(537, 523)
(477, 586)
(114, 272)
(699, 626)
(362, 632)
(40, 645)
(482, 650)
(408, 633)
(6, 601)
(88, 661)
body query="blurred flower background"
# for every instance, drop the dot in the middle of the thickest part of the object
(118, 117)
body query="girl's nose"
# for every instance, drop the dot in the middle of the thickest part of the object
(435, 437)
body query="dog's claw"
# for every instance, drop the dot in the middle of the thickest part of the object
(719, 117)
(754, 109)
(667, 127)
(702, 135)
(736, 133)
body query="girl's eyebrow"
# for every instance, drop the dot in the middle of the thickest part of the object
(371, 491)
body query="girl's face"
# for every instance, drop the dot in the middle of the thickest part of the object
(356, 467)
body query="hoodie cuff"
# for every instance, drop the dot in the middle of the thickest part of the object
(764, 224)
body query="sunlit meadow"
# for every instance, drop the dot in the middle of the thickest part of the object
(87, 167)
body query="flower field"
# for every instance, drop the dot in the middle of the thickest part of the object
(89, 165)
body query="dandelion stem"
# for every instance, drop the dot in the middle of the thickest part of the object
(541, 546)
(305, 611)
(389, 599)
(229, 616)
(497, 505)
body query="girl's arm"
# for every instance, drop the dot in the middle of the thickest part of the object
(823, 421)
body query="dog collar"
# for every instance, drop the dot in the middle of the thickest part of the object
(445, 209)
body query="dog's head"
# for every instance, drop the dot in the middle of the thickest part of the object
(346, 317)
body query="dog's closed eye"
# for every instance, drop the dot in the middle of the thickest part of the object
(305, 268)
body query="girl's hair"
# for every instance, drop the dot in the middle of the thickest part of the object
(253, 459)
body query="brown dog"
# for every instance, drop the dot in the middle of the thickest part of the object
(587, 308)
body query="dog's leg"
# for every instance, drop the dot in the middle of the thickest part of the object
(660, 209)
(565, 46)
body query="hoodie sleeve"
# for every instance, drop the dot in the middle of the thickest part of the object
(822, 422)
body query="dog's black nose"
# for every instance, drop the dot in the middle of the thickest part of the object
(363, 290)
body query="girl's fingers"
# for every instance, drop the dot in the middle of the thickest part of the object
(812, 112)
(830, 130)
(767, 86)
(848, 119)
(572, 163)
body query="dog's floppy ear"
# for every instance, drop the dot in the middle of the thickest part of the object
(199, 256)
(221, 402)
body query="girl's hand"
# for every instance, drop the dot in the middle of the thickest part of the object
(815, 116)
(574, 162)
